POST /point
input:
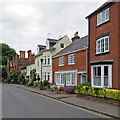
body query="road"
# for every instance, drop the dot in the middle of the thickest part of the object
(18, 103)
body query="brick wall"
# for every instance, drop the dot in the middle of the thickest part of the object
(80, 63)
(112, 27)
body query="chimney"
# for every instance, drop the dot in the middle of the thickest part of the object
(29, 54)
(22, 54)
(75, 37)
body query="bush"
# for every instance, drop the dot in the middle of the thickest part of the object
(69, 89)
(61, 88)
(85, 84)
(53, 87)
(30, 83)
(98, 92)
(45, 82)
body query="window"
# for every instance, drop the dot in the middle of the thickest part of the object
(46, 76)
(102, 45)
(71, 59)
(46, 60)
(102, 76)
(69, 77)
(61, 61)
(27, 70)
(103, 16)
(83, 78)
(61, 45)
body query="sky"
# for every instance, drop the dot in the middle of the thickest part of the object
(26, 23)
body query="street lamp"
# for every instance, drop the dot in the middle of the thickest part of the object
(41, 74)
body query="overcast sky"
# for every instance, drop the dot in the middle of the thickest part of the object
(25, 24)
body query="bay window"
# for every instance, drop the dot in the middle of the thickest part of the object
(101, 76)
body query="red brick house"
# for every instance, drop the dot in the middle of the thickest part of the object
(19, 62)
(104, 46)
(70, 63)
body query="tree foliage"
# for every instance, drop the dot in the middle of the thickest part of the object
(33, 75)
(6, 53)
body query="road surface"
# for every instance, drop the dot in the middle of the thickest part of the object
(18, 103)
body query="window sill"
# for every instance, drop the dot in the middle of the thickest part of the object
(46, 65)
(61, 65)
(98, 54)
(102, 23)
(71, 63)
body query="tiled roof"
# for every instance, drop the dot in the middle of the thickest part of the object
(31, 62)
(102, 6)
(74, 46)
(22, 61)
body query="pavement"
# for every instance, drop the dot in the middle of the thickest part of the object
(102, 108)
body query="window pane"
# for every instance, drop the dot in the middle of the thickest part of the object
(99, 71)
(102, 45)
(107, 14)
(106, 44)
(103, 16)
(105, 70)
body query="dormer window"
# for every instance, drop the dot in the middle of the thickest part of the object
(103, 16)
(62, 45)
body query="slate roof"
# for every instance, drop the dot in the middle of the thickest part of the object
(52, 40)
(102, 6)
(74, 46)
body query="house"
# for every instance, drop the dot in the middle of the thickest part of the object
(104, 46)
(45, 54)
(17, 63)
(69, 65)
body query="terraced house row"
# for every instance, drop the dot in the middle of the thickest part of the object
(94, 58)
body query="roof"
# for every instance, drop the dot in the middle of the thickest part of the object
(31, 62)
(22, 61)
(78, 44)
(52, 40)
(102, 6)
(41, 45)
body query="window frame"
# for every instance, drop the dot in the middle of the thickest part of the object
(100, 17)
(70, 59)
(102, 76)
(63, 45)
(98, 52)
(61, 61)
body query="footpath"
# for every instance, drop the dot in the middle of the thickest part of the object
(102, 108)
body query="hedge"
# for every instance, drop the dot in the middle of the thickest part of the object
(98, 92)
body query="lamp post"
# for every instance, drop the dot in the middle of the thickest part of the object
(41, 74)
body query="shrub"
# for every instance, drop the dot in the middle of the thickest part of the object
(99, 92)
(69, 89)
(85, 84)
(61, 88)
(45, 82)
(53, 87)
(30, 83)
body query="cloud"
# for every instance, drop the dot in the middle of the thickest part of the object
(25, 25)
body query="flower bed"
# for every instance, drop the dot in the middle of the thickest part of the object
(98, 92)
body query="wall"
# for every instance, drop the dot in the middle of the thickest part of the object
(80, 63)
(111, 27)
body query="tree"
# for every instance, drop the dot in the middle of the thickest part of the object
(33, 75)
(4, 71)
(6, 53)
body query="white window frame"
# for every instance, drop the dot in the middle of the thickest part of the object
(71, 59)
(45, 58)
(45, 75)
(61, 61)
(100, 17)
(63, 44)
(66, 72)
(102, 76)
(100, 45)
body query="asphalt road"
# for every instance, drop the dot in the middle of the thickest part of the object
(18, 103)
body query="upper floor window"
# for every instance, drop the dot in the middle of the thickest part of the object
(102, 45)
(103, 16)
(61, 61)
(61, 45)
(71, 59)
(46, 60)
